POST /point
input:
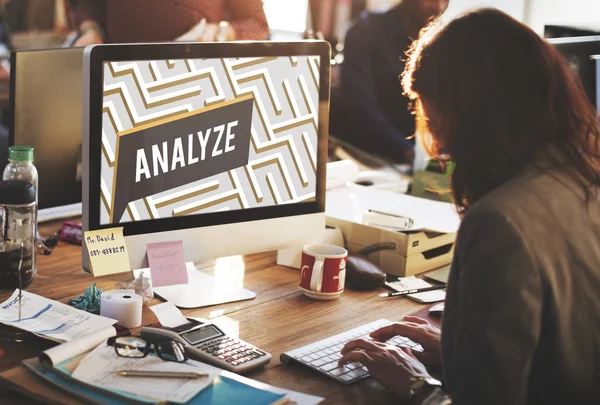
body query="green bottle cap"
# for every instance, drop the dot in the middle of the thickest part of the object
(20, 153)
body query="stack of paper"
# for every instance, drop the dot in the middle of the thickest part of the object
(350, 204)
(99, 368)
(51, 319)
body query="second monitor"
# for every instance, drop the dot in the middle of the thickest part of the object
(46, 115)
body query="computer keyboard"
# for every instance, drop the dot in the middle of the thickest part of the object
(323, 355)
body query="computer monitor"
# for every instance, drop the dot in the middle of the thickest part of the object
(562, 31)
(46, 114)
(579, 51)
(220, 145)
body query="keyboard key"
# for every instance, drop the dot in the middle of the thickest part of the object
(329, 351)
(329, 366)
(330, 358)
(306, 359)
(351, 366)
(321, 354)
(339, 370)
(346, 377)
(234, 363)
(354, 374)
(318, 363)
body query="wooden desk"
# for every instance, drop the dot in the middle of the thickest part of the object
(280, 318)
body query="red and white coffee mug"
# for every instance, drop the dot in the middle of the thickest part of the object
(323, 271)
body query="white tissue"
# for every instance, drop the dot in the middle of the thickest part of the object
(141, 285)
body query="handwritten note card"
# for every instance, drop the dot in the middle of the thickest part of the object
(167, 263)
(107, 250)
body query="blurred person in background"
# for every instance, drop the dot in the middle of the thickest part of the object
(372, 111)
(126, 21)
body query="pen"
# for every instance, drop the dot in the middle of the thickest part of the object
(160, 374)
(415, 290)
(389, 214)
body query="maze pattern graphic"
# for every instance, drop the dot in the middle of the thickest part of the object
(283, 147)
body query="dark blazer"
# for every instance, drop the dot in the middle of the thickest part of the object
(373, 112)
(522, 317)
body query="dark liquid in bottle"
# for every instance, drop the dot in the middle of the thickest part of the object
(9, 268)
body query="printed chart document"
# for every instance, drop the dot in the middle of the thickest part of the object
(99, 368)
(51, 319)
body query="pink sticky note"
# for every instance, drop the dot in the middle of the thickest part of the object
(167, 263)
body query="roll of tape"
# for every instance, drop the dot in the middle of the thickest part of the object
(123, 305)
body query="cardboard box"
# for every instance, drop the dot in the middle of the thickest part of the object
(415, 251)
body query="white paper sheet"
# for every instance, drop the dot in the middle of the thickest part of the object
(99, 368)
(68, 350)
(407, 283)
(51, 319)
(168, 315)
(350, 203)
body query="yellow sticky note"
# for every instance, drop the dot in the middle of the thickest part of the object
(107, 250)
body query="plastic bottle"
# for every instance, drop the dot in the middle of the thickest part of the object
(20, 167)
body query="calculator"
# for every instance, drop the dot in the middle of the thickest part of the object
(206, 342)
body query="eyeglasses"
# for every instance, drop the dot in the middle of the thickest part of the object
(136, 347)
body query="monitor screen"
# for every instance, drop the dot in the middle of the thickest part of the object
(49, 120)
(578, 52)
(193, 136)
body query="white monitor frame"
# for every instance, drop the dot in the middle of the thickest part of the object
(205, 236)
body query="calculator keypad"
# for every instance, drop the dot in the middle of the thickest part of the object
(231, 350)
